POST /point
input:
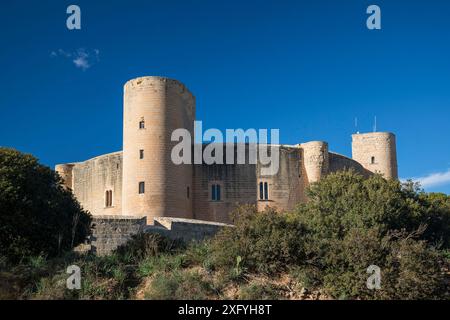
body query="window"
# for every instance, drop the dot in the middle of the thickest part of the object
(141, 154)
(141, 187)
(108, 198)
(263, 191)
(215, 192)
(142, 124)
(372, 160)
(187, 192)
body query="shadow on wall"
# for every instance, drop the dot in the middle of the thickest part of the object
(110, 232)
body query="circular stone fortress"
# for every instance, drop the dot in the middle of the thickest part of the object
(142, 180)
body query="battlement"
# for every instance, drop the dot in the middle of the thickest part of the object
(156, 81)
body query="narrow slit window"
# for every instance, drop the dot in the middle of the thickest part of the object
(215, 192)
(372, 160)
(218, 192)
(141, 187)
(108, 198)
(187, 192)
(261, 191)
(266, 191)
(141, 154)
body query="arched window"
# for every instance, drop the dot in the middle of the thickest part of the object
(108, 198)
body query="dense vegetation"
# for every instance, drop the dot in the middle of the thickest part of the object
(37, 215)
(322, 249)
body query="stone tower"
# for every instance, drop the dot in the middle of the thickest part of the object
(376, 152)
(152, 184)
(316, 160)
(65, 172)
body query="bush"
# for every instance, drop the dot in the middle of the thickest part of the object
(164, 262)
(352, 223)
(259, 291)
(262, 242)
(101, 278)
(145, 245)
(37, 215)
(179, 285)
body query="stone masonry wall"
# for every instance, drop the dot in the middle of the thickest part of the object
(110, 232)
(186, 229)
(90, 179)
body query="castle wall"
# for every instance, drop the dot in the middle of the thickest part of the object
(238, 186)
(93, 177)
(164, 105)
(339, 162)
(286, 187)
(376, 151)
(65, 172)
(184, 191)
(111, 232)
(239, 183)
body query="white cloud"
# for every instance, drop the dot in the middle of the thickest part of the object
(434, 179)
(81, 58)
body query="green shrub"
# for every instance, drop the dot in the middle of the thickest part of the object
(305, 276)
(259, 291)
(37, 215)
(179, 285)
(160, 263)
(266, 242)
(352, 223)
(145, 245)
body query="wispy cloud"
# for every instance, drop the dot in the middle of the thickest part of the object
(81, 58)
(433, 179)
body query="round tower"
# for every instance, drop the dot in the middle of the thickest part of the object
(152, 184)
(315, 160)
(65, 172)
(376, 151)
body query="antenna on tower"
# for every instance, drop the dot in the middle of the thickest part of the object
(356, 124)
(375, 124)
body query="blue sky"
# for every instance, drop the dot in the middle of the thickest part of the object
(306, 67)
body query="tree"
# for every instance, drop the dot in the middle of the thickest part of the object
(352, 223)
(37, 214)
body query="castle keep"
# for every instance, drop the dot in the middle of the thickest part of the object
(142, 180)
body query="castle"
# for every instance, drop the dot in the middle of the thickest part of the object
(142, 180)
